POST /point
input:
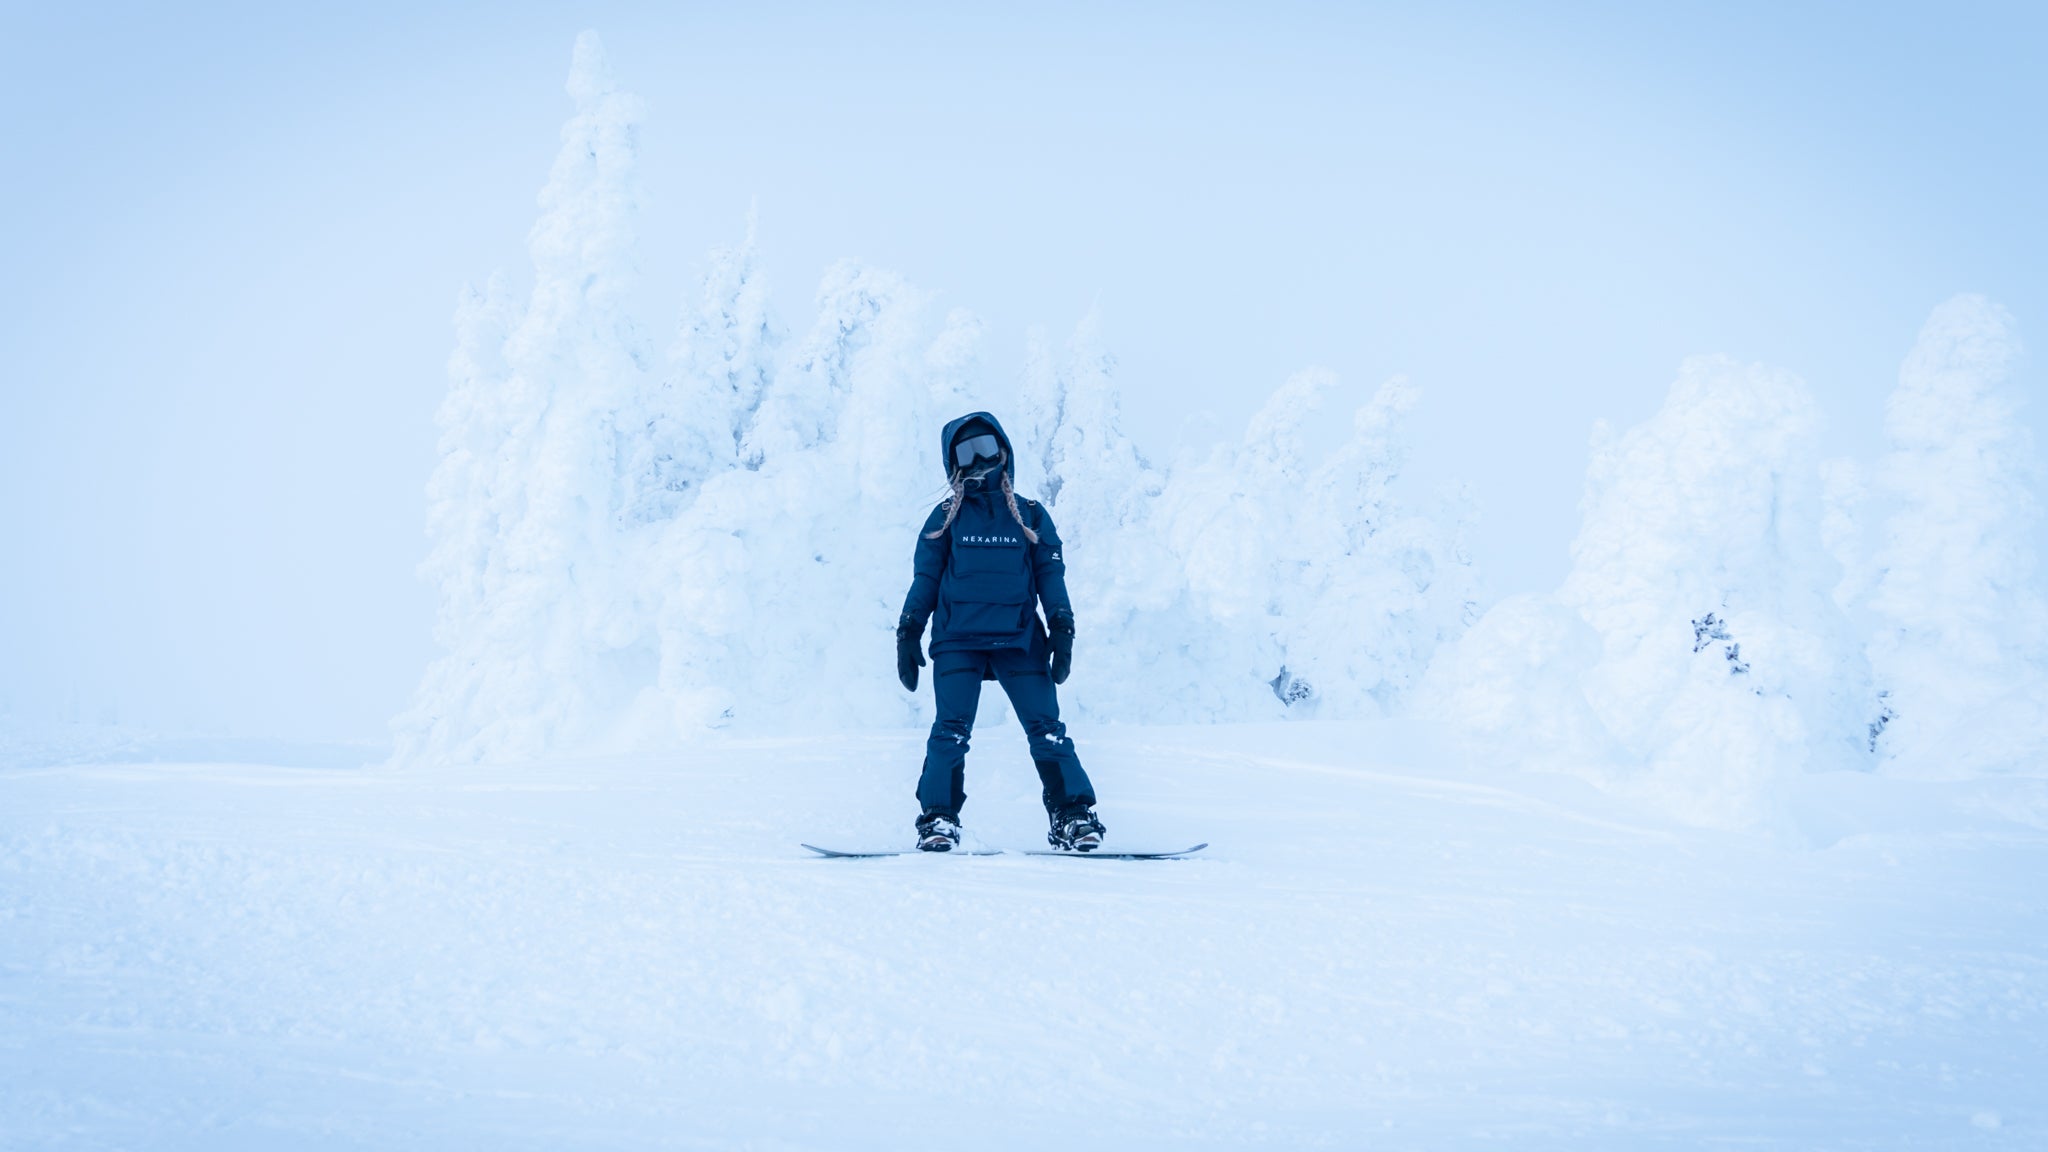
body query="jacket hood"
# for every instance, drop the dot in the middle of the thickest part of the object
(952, 433)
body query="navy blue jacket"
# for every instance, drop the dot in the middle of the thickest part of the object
(981, 581)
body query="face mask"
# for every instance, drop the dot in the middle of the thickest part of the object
(984, 448)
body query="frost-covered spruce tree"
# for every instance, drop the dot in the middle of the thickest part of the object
(1334, 597)
(523, 667)
(1231, 523)
(1725, 664)
(1074, 417)
(678, 438)
(691, 425)
(1695, 653)
(1383, 585)
(800, 409)
(466, 496)
(952, 365)
(1039, 402)
(788, 571)
(1961, 647)
(1148, 656)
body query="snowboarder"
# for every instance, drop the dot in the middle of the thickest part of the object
(986, 560)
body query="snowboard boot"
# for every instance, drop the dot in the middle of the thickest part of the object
(1075, 829)
(937, 832)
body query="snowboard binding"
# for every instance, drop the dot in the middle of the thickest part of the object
(937, 832)
(1075, 830)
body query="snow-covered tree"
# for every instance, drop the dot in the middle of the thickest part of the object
(1146, 655)
(1093, 471)
(522, 666)
(1232, 519)
(691, 425)
(1726, 664)
(1961, 647)
(1723, 662)
(462, 516)
(1383, 584)
(626, 556)
(953, 364)
(782, 579)
(1334, 592)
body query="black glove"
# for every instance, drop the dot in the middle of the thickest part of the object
(1062, 645)
(909, 651)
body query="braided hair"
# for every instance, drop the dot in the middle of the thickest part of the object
(959, 486)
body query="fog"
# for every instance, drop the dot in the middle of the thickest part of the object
(234, 242)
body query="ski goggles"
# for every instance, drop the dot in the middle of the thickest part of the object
(984, 447)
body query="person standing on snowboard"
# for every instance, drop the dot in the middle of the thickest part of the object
(986, 560)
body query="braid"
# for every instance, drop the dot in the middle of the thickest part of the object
(1011, 498)
(959, 486)
(953, 502)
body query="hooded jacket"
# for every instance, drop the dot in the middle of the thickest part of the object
(980, 582)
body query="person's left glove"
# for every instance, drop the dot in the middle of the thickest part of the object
(909, 651)
(1062, 629)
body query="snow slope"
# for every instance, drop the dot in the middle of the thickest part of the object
(1382, 949)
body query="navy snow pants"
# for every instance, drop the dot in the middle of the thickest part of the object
(956, 683)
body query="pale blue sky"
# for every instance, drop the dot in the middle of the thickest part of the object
(233, 239)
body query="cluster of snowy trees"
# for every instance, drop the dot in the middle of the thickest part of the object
(631, 548)
(1740, 610)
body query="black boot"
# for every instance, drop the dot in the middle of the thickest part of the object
(1075, 829)
(938, 831)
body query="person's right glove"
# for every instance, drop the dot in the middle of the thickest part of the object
(1062, 645)
(909, 651)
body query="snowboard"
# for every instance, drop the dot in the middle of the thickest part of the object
(1099, 854)
(834, 854)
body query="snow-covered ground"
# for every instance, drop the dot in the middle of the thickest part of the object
(1382, 948)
